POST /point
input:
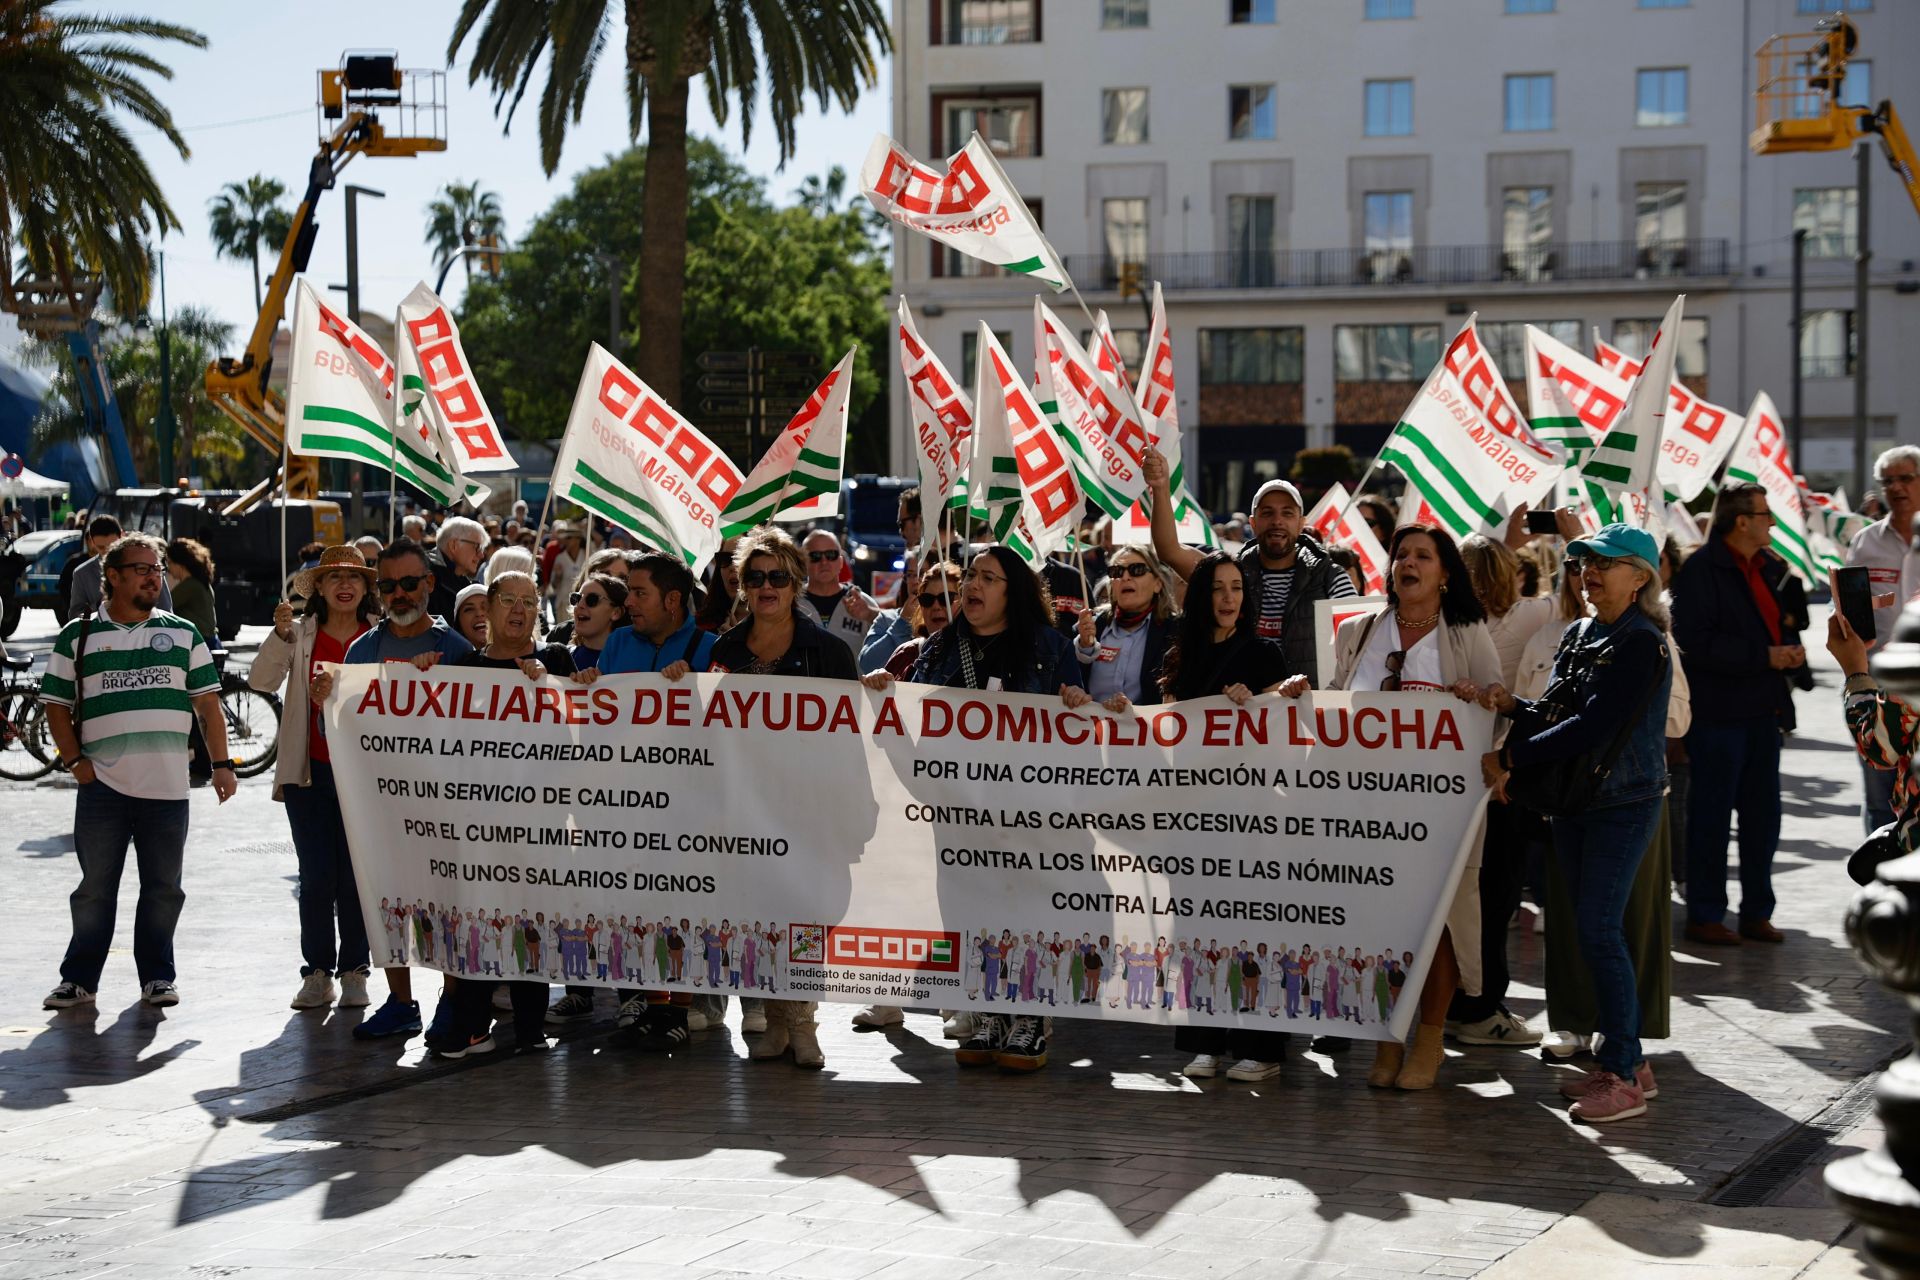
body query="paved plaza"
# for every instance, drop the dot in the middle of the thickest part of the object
(233, 1136)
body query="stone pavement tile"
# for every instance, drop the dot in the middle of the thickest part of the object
(833, 1262)
(1633, 1236)
(1031, 1251)
(927, 1268)
(637, 1266)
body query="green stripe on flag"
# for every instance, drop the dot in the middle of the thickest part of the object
(1419, 479)
(628, 520)
(1439, 461)
(378, 430)
(1595, 469)
(1026, 266)
(818, 459)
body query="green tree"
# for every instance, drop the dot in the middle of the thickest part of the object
(778, 278)
(823, 48)
(462, 215)
(244, 216)
(76, 195)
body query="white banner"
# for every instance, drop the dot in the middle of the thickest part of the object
(813, 840)
(970, 206)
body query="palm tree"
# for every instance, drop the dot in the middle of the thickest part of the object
(463, 214)
(825, 48)
(76, 195)
(244, 215)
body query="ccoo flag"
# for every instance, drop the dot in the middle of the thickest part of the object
(1760, 456)
(628, 457)
(1462, 470)
(439, 396)
(970, 207)
(802, 466)
(340, 404)
(942, 418)
(1013, 436)
(1626, 460)
(1154, 394)
(1095, 418)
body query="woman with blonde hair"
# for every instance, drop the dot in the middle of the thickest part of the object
(1122, 645)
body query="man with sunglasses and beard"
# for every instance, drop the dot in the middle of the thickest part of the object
(405, 583)
(845, 610)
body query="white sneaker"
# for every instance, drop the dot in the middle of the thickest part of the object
(570, 1008)
(316, 991)
(1251, 1069)
(1204, 1067)
(752, 1022)
(698, 1021)
(1563, 1044)
(1500, 1027)
(160, 992)
(876, 1016)
(66, 996)
(353, 990)
(958, 1026)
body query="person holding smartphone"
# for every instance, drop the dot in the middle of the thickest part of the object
(1885, 550)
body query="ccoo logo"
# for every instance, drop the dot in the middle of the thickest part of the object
(913, 949)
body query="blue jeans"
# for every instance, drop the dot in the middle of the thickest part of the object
(104, 824)
(1876, 802)
(327, 886)
(1599, 853)
(1736, 769)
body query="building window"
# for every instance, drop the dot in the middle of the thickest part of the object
(1123, 116)
(1260, 357)
(1831, 218)
(1506, 341)
(1387, 231)
(1123, 232)
(1856, 90)
(1384, 352)
(1661, 97)
(1250, 111)
(1529, 6)
(1120, 15)
(970, 354)
(1827, 7)
(953, 264)
(1379, 9)
(1526, 233)
(1250, 241)
(1529, 103)
(991, 22)
(1689, 358)
(1660, 227)
(1010, 126)
(1826, 344)
(1389, 111)
(1257, 13)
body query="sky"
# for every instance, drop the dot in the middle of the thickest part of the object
(246, 105)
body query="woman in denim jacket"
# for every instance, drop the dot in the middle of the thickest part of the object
(1624, 651)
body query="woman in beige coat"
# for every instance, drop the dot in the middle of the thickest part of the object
(1432, 636)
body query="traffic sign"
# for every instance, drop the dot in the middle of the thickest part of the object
(799, 383)
(724, 361)
(734, 383)
(12, 465)
(789, 360)
(727, 406)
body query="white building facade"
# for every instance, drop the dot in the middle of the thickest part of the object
(1326, 188)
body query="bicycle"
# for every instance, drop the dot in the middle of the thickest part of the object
(26, 743)
(253, 724)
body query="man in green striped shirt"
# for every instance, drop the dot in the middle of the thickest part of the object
(121, 691)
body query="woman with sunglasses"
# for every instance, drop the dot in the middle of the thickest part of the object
(608, 560)
(1004, 639)
(1123, 644)
(779, 639)
(720, 605)
(1215, 650)
(1431, 636)
(899, 624)
(929, 611)
(599, 606)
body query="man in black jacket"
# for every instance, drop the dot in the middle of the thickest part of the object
(1284, 573)
(1738, 633)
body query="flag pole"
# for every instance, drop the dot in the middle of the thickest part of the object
(285, 489)
(393, 465)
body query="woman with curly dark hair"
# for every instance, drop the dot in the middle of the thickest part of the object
(190, 575)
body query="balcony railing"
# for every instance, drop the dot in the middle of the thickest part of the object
(1420, 265)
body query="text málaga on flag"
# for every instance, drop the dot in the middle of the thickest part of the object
(970, 206)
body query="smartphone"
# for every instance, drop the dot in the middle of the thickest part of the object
(1542, 521)
(1853, 597)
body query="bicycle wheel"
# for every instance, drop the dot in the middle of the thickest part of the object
(253, 728)
(26, 744)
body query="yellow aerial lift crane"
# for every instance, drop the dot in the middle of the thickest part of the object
(352, 98)
(1798, 106)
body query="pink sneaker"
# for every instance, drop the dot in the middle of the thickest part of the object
(1577, 1088)
(1609, 1098)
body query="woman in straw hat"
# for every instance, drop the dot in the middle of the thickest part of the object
(339, 606)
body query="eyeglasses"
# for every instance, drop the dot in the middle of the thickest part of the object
(766, 578)
(523, 602)
(592, 599)
(1395, 661)
(139, 568)
(972, 575)
(387, 586)
(1132, 569)
(1599, 564)
(815, 557)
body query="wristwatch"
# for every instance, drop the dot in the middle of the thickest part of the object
(222, 764)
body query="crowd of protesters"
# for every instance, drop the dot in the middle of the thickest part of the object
(1678, 670)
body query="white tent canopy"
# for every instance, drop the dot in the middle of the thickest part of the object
(18, 481)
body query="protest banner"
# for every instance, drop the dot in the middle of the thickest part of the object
(816, 840)
(628, 457)
(1329, 614)
(970, 206)
(340, 403)
(803, 466)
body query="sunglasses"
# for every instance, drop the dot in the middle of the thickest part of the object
(1131, 569)
(1395, 661)
(592, 599)
(767, 577)
(815, 557)
(387, 586)
(928, 599)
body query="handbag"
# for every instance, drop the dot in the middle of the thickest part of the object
(1566, 788)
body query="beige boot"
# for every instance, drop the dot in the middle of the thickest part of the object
(1423, 1060)
(1387, 1057)
(774, 1040)
(804, 1035)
